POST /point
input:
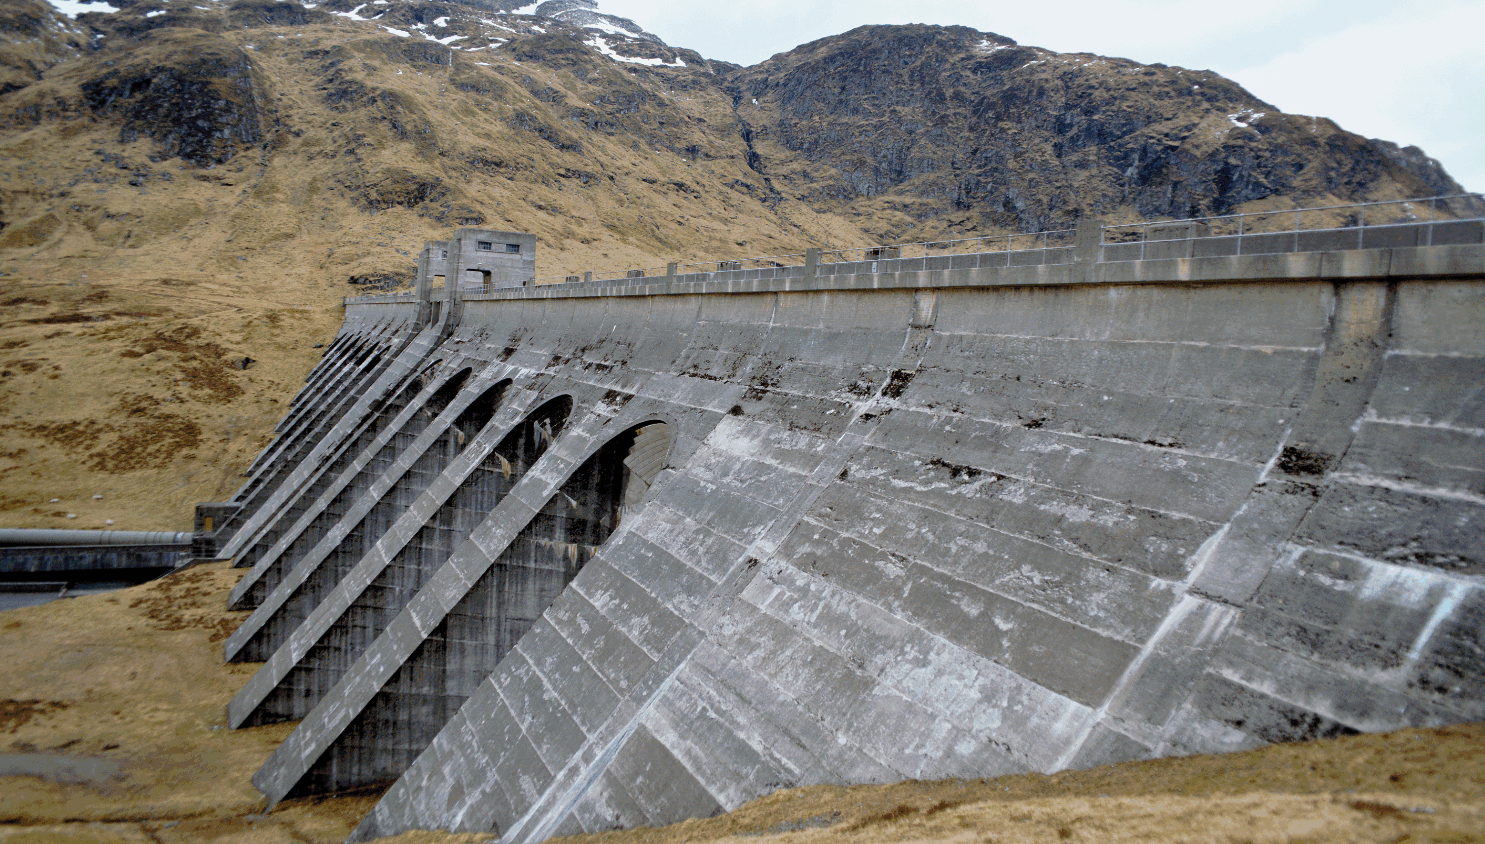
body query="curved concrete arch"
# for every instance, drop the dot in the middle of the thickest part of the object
(313, 658)
(320, 514)
(473, 612)
(692, 545)
(399, 475)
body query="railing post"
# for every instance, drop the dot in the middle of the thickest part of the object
(1087, 249)
(425, 284)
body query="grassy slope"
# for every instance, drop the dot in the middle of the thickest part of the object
(130, 287)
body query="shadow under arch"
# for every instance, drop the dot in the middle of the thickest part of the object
(444, 395)
(397, 580)
(381, 415)
(575, 523)
(505, 602)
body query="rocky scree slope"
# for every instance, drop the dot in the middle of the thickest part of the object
(188, 187)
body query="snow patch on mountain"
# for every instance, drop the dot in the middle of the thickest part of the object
(598, 44)
(73, 8)
(585, 14)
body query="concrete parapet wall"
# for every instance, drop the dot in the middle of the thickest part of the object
(917, 523)
(990, 270)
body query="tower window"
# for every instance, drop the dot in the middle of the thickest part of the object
(485, 246)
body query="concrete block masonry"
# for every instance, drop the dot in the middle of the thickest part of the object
(623, 552)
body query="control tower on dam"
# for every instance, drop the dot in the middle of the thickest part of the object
(621, 551)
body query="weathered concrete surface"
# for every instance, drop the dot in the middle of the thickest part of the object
(917, 523)
(307, 450)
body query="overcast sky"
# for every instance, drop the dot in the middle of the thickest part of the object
(1412, 73)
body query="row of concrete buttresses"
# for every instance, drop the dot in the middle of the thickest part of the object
(558, 563)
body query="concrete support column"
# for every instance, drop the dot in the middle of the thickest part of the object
(811, 262)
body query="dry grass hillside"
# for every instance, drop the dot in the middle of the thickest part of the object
(189, 187)
(134, 283)
(112, 729)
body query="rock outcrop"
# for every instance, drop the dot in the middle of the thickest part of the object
(192, 93)
(954, 125)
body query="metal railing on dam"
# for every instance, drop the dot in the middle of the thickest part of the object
(1457, 219)
(566, 558)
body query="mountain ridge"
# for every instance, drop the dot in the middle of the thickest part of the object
(206, 179)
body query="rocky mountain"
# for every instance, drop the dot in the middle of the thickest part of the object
(33, 38)
(187, 187)
(951, 127)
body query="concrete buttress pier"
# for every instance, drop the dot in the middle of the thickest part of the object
(561, 558)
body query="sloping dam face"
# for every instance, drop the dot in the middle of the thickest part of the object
(565, 560)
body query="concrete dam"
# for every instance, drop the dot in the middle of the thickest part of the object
(623, 551)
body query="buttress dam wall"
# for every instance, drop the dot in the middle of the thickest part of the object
(619, 553)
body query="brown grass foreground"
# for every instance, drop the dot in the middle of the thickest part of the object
(112, 712)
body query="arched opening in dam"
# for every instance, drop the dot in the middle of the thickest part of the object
(570, 529)
(382, 416)
(503, 605)
(390, 585)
